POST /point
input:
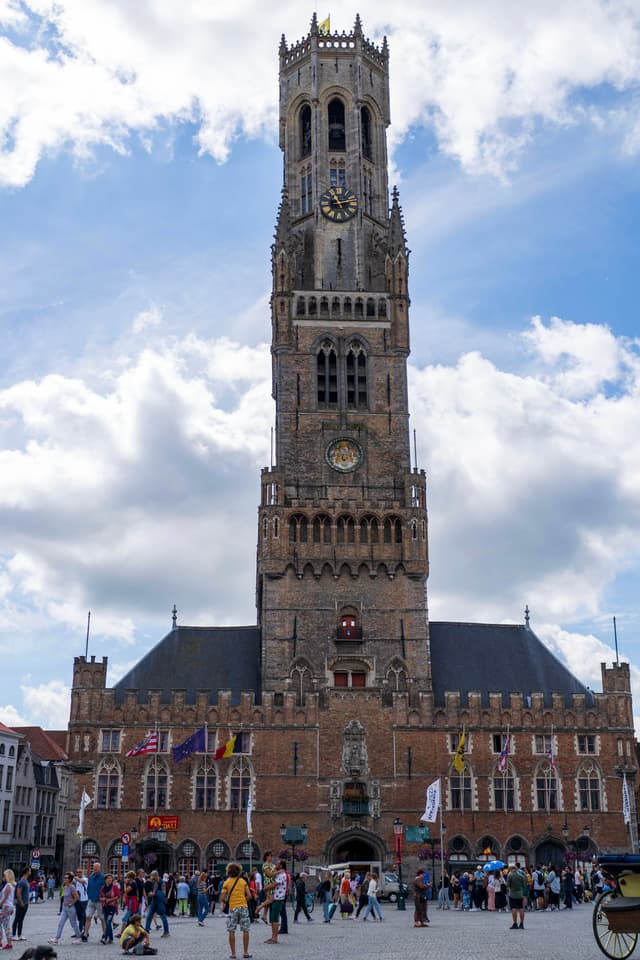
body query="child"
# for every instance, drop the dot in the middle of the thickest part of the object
(135, 938)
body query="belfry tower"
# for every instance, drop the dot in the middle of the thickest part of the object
(342, 540)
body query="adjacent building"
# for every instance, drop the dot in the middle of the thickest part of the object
(344, 699)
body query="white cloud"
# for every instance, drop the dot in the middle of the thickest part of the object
(47, 704)
(481, 74)
(11, 717)
(151, 317)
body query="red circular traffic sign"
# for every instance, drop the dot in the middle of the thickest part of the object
(125, 838)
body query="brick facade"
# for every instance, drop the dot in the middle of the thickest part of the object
(345, 732)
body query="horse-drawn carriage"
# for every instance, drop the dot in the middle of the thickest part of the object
(616, 912)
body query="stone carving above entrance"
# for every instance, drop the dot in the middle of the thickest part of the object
(354, 751)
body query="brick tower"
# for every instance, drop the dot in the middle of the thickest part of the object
(342, 540)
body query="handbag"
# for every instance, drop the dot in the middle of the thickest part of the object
(225, 905)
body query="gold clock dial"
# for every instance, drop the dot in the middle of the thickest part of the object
(339, 204)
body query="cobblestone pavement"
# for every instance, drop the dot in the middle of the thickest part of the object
(454, 935)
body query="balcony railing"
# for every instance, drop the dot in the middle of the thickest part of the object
(355, 808)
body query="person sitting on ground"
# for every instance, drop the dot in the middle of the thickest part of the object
(135, 939)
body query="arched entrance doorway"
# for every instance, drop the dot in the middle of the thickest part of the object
(550, 852)
(356, 847)
(154, 855)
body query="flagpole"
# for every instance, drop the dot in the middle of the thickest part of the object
(155, 767)
(206, 763)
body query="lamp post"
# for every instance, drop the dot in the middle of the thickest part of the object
(293, 836)
(397, 832)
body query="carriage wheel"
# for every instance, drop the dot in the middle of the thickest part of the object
(617, 946)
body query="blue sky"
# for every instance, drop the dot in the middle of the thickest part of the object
(139, 183)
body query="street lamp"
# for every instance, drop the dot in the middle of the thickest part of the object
(293, 836)
(397, 832)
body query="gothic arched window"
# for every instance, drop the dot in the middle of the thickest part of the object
(503, 783)
(108, 784)
(461, 789)
(365, 120)
(335, 117)
(298, 529)
(305, 131)
(327, 375)
(156, 784)
(239, 780)
(205, 783)
(356, 369)
(546, 781)
(589, 787)
(346, 531)
(322, 529)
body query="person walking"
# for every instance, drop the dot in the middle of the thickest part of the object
(373, 906)
(109, 900)
(7, 899)
(203, 898)
(301, 898)
(21, 901)
(234, 897)
(81, 882)
(279, 895)
(324, 890)
(94, 907)
(363, 898)
(68, 912)
(157, 904)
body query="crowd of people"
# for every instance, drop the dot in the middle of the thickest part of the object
(128, 909)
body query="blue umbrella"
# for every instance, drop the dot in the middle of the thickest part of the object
(493, 865)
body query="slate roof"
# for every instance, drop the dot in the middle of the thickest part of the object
(496, 658)
(198, 658)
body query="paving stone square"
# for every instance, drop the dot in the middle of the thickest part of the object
(451, 934)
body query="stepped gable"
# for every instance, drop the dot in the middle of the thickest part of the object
(496, 658)
(198, 658)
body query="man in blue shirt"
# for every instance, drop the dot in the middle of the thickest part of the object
(94, 909)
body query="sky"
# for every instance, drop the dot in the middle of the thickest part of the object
(140, 176)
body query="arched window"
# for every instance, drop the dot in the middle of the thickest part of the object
(335, 116)
(322, 529)
(188, 859)
(365, 121)
(348, 624)
(305, 131)
(461, 788)
(156, 784)
(205, 782)
(397, 677)
(327, 375)
(306, 191)
(218, 851)
(2, 748)
(356, 367)
(392, 530)
(301, 681)
(108, 784)
(239, 779)
(12, 751)
(248, 850)
(503, 782)
(368, 530)
(346, 530)
(90, 853)
(589, 787)
(298, 532)
(546, 780)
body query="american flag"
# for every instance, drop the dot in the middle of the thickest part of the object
(502, 759)
(148, 745)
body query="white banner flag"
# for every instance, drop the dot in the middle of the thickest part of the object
(626, 800)
(249, 812)
(433, 802)
(84, 803)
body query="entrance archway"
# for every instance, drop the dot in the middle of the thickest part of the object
(550, 852)
(356, 847)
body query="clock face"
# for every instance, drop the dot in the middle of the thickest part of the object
(344, 455)
(339, 204)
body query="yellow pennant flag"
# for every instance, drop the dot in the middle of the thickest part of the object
(325, 26)
(458, 760)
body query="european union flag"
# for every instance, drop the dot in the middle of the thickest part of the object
(193, 744)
